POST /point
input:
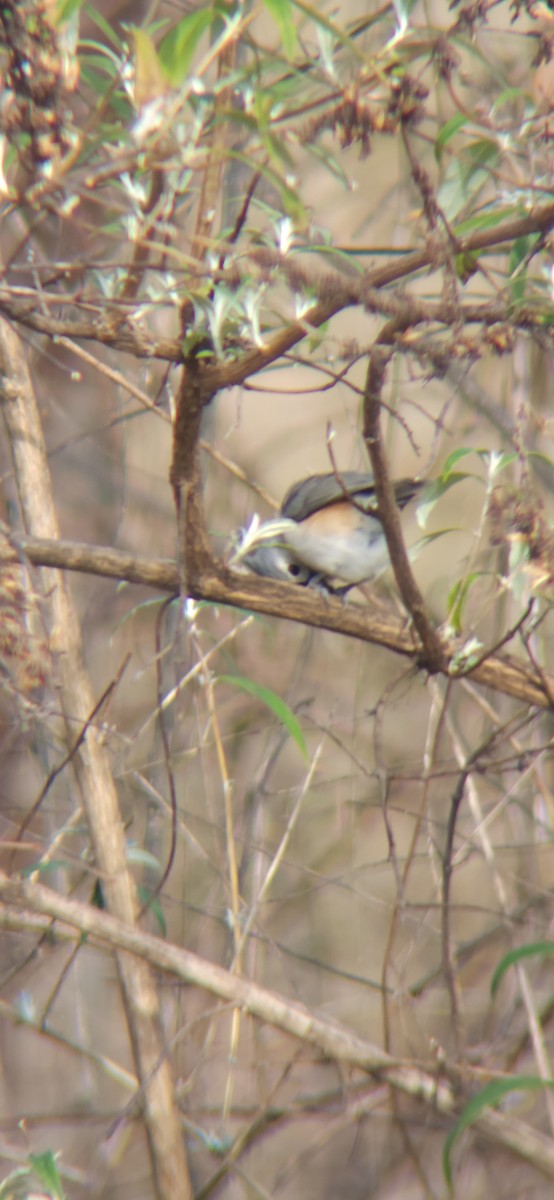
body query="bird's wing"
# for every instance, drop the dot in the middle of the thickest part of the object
(319, 491)
(309, 495)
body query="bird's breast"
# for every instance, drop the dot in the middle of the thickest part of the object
(340, 542)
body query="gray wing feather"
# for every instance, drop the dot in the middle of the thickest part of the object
(318, 491)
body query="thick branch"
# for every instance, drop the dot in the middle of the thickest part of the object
(194, 549)
(93, 776)
(304, 605)
(331, 1038)
(117, 331)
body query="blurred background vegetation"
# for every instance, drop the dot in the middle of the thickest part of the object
(180, 184)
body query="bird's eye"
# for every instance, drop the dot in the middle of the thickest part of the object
(294, 569)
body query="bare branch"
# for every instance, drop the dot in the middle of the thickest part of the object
(433, 651)
(331, 1038)
(90, 763)
(305, 605)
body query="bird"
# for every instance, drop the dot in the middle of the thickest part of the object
(328, 533)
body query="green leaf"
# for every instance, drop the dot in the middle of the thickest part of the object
(45, 1169)
(497, 462)
(515, 956)
(331, 163)
(150, 77)
(466, 175)
(178, 47)
(433, 492)
(42, 868)
(488, 219)
(9, 1187)
(517, 264)
(138, 856)
(508, 96)
(104, 26)
(454, 458)
(65, 9)
(276, 148)
(278, 706)
(429, 538)
(152, 903)
(488, 1097)
(541, 458)
(466, 265)
(494, 460)
(314, 12)
(466, 656)
(282, 12)
(140, 609)
(447, 131)
(457, 599)
(338, 256)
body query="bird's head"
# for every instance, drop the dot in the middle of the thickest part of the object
(262, 547)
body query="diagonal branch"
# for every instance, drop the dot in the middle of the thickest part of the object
(332, 1039)
(432, 656)
(93, 776)
(121, 330)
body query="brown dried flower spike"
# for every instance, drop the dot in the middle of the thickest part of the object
(516, 514)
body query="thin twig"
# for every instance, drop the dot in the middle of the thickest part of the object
(503, 641)
(70, 753)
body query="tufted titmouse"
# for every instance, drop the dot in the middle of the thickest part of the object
(322, 536)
